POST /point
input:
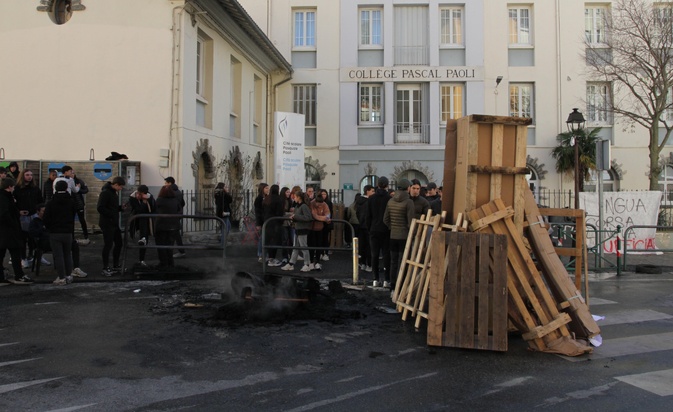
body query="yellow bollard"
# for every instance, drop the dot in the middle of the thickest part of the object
(356, 262)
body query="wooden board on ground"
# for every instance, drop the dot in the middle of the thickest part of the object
(555, 274)
(490, 163)
(468, 291)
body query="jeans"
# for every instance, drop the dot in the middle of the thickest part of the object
(380, 244)
(112, 235)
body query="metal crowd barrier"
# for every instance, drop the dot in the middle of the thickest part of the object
(631, 229)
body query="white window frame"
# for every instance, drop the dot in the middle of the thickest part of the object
(301, 36)
(200, 67)
(518, 93)
(447, 93)
(595, 31)
(306, 104)
(371, 88)
(599, 99)
(451, 38)
(518, 35)
(370, 42)
(666, 178)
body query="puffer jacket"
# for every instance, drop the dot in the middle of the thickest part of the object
(303, 218)
(108, 207)
(399, 214)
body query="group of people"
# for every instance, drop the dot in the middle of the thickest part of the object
(382, 217)
(31, 218)
(306, 222)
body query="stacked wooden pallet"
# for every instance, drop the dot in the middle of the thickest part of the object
(464, 274)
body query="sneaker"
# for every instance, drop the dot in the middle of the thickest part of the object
(45, 262)
(107, 272)
(142, 263)
(300, 257)
(386, 284)
(274, 262)
(59, 282)
(179, 255)
(324, 257)
(259, 259)
(306, 268)
(83, 242)
(288, 267)
(26, 263)
(368, 269)
(317, 266)
(362, 266)
(376, 284)
(310, 266)
(78, 273)
(143, 241)
(68, 279)
(23, 280)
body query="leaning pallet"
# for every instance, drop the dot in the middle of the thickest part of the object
(468, 291)
(564, 291)
(415, 261)
(490, 162)
(531, 307)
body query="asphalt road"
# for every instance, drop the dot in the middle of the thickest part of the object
(125, 344)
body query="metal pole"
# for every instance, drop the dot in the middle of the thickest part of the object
(600, 219)
(577, 172)
(356, 263)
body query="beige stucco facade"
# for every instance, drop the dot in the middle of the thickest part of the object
(121, 76)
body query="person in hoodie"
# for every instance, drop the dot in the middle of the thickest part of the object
(398, 216)
(108, 208)
(142, 202)
(364, 249)
(59, 219)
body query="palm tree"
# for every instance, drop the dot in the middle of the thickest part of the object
(564, 153)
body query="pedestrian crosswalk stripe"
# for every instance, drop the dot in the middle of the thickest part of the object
(633, 345)
(19, 385)
(17, 361)
(8, 344)
(632, 316)
(73, 408)
(658, 382)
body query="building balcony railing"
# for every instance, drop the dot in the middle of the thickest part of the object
(411, 55)
(406, 132)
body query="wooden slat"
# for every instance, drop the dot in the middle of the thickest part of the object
(497, 135)
(503, 170)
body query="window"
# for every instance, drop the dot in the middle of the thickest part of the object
(521, 100)
(304, 102)
(669, 105)
(304, 29)
(200, 66)
(258, 108)
(666, 179)
(452, 101)
(235, 97)
(520, 26)
(451, 26)
(594, 24)
(371, 102)
(371, 27)
(598, 103)
(411, 35)
(610, 184)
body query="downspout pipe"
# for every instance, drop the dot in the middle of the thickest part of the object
(270, 124)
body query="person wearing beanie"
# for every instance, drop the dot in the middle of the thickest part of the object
(398, 216)
(59, 219)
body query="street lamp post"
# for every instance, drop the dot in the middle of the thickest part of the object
(575, 123)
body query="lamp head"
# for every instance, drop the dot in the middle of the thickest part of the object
(575, 121)
(498, 80)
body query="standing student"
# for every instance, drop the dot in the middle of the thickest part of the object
(321, 217)
(28, 196)
(223, 202)
(170, 182)
(10, 230)
(108, 208)
(59, 219)
(379, 233)
(142, 202)
(167, 229)
(398, 216)
(302, 218)
(262, 192)
(80, 205)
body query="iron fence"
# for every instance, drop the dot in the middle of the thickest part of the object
(201, 203)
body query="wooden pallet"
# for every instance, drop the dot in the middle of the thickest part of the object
(468, 291)
(531, 307)
(415, 262)
(566, 294)
(490, 163)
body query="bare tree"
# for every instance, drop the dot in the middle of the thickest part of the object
(635, 56)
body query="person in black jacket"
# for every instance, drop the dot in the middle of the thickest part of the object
(142, 202)
(10, 230)
(167, 228)
(262, 192)
(108, 208)
(59, 219)
(379, 233)
(28, 196)
(170, 182)
(80, 204)
(223, 205)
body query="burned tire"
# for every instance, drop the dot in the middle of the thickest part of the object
(648, 269)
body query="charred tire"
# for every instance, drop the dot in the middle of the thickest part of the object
(648, 269)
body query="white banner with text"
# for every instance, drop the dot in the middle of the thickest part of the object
(288, 130)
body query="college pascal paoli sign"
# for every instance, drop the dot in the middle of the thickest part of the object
(410, 73)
